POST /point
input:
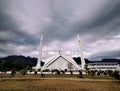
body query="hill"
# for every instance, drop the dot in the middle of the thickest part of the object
(18, 62)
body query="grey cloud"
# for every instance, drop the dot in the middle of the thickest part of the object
(6, 21)
(10, 28)
(99, 25)
(110, 12)
(108, 54)
(8, 25)
(22, 21)
(102, 23)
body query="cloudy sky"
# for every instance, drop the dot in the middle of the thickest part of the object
(97, 22)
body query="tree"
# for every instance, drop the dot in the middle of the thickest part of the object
(110, 72)
(80, 74)
(71, 72)
(92, 72)
(23, 71)
(116, 74)
(58, 72)
(2, 68)
(13, 72)
(86, 67)
(63, 72)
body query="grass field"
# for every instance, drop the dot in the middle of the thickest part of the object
(57, 76)
(58, 85)
(20, 83)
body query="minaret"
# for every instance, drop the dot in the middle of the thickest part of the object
(38, 66)
(46, 53)
(70, 54)
(81, 53)
(59, 52)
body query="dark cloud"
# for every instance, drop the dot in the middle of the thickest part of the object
(107, 15)
(101, 25)
(10, 28)
(108, 54)
(6, 21)
(22, 22)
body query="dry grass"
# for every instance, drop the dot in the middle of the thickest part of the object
(56, 76)
(57, 85)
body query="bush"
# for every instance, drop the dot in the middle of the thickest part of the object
(39, 70)
(58, 72)
(80, 76)
(92, 72)
(46, 70)
(116, 75)
(110, 72)
(80, 72)
(23, 72)
(35, 72)
(63, 72)
(71, 72)
(98, 73)
(42, 75)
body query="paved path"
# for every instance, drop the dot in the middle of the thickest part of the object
(73, 79)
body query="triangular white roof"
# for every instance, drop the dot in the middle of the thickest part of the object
(52, 59)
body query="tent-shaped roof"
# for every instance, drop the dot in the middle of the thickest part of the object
(60, 62)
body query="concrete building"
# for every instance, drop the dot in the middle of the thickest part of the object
(104, 65)
(61, 62)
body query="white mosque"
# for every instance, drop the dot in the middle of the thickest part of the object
(62, 62)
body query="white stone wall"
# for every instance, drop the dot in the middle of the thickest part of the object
(60, 64)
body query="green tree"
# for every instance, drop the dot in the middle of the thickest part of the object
(110, 73)
(80, 74)
(116, 74)
(23, 71)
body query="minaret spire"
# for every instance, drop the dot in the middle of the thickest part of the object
(59, 52)
(38, 66)
(70, 54)
(81, 53)
(46, 53)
